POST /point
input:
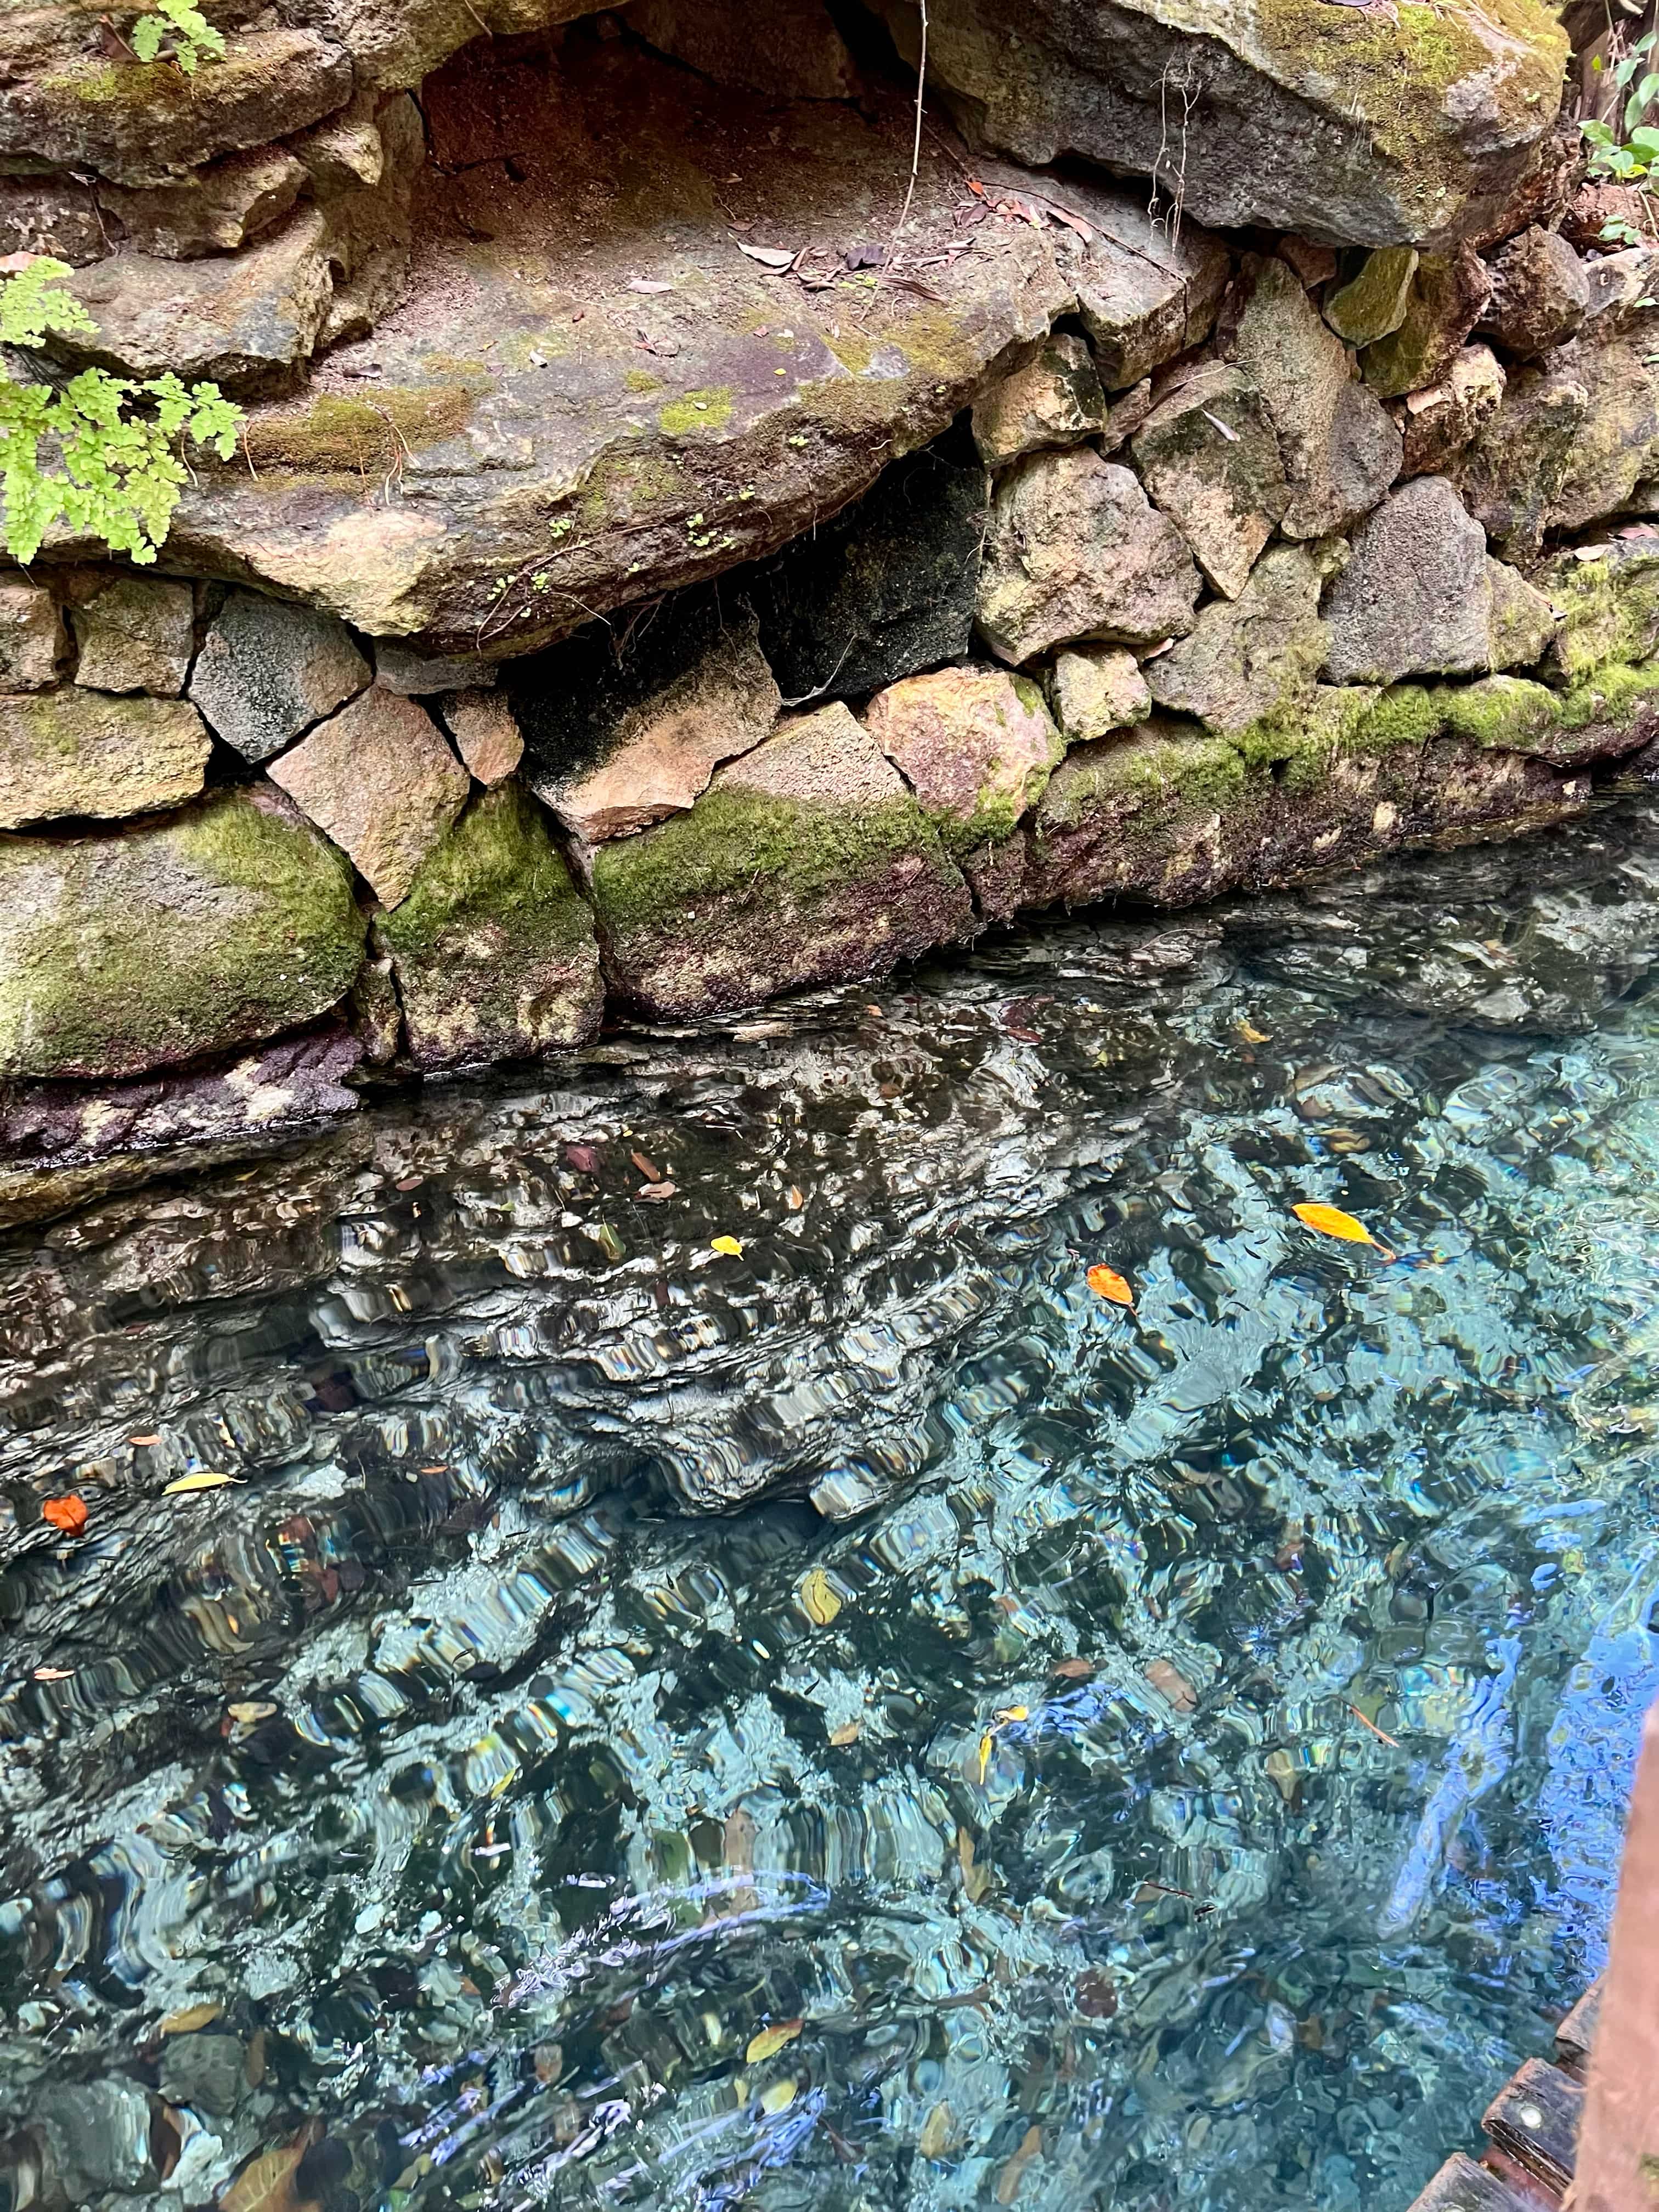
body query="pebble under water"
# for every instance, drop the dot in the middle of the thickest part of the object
(865, 1722)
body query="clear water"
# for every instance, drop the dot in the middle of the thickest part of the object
(981, 1809)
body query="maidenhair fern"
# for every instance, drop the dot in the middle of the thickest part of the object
(189, 30)
(100, 452)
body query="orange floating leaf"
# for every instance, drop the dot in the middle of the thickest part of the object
(1331, 1221)
(770, 2040)
(68, 1514)
(1107, 1283)
(985, 1745)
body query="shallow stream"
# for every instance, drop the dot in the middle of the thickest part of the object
(863, 1721)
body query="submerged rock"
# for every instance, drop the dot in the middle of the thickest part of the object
(807, 862)
(1075, 550)
(74, 752)
(163, 943)
(379, 778)
(268, 670)
(492, 948)
(1209, 456)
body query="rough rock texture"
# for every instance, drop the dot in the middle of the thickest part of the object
(380, 779)
(211, 210)
(74, 752)
(1448, 297)
(493, 950)
(886, 588)
(422, 674)
(1209, 457)
(1510, 475)
(619, 733)
(1418, 595)
(1253, 657)
(975, 745)
(137, 635)
(790, 48)
(1443, 418)
(1617, 442)
(1075, 550)
(1621, 287)
(1146, 289)
(55, 215)
(32, 640)
(1372, 304)
(1540, 294)
(267, 671)
(807, 862)
(486, 736)
(1055, 399)
(1338, 125)
(1097, 688)
(1341, 450)
(210, 928)
(1608, 604)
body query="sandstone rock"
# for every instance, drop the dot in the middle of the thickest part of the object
(345, 152)
(396, 43)
(269, 670)
(51, 215)
(213, 928)
(142, 124)
(369, 230)
(492, 948)
(380, 779)
(1372, 304)
(242, 322)
(1253, 657)
(1097, 689)
(1421, 595)
(1441, 420)
(1209, 457)
(137, 635)
(1510, 474)
(1623, 288)
(885, 588)
(74, 752)
(31, 640)
(1125, 416)
(1076, 550)
(1317, 265)
(789, 49)
(1341, 450)
(1055, 400)
(1301, 119)
(211, 210)
(614, 742)
(1616, 444)
(975, 744)
(1448, 297)
(807, 861)
(420, 675)
(486, 736)
(1540, 294)
(1146, 289)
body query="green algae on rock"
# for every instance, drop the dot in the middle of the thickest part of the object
(213, 928)
(494, 949)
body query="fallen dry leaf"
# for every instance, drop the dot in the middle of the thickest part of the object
(266, 2183)
(248, 1713)
(975, 1879)
(769, 257)
(1331, 1221)
(1252, 1034)
(1285, 1774)
(1075, 1670)
(1007, 1715)
(54, 1673)
(189, 2018)
(1107, 1283)
(794, 1198)
(655, 1191)
(188, 1483)
(1013, 2173)
(585, 1159)
(647, 284)
(1169, 1682)
(820, 1601)
(986, 1745)
(143, 1440)
(1382, 1735)
(841, 1737)
(939, 2132)
(771, 2040)
(648, 1167)
(779, 2098)
(1097, 1995)
(730, 1247)
(68, 1514)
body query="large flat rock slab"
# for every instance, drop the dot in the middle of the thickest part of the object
(590, 394)
(1363, 127)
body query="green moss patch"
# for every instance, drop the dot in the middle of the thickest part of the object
(339, 434)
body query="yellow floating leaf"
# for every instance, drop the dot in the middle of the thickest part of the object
(939, 2132)
(1107, 1283)
(205, 1481)
(1331, 1221)
(189, 2018)
(986, 1744)
(1252, 1034)
(975, 1879)
(780, 2097)
(771, 2040)
(1008, 1713)
(727, 1245)
(841, 1737)
(819, 1599)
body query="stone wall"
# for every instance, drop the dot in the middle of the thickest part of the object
(652, 579)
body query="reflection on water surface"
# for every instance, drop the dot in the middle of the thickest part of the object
(864, 1722)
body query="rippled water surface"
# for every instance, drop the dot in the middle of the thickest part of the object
(864, 1722)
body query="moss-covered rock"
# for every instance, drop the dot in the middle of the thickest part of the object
(1445, 298)
(1608, 605)
(1252, 656)
(217, 927)
(76, 752)
(494, 949)
(807, 861)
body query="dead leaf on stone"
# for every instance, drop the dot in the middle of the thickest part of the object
(771, 2040)
(769, 257)
(585, 1159)
(647, 1167)
(1169, 1682)
(976, 1881)
(1075, 1670)
(1013, 2173)
(647, 284)
(794, 1198)
(939, 2132)
(248, 1713)
(188, 2019)
(1097, 1995)
(1285, 1774)
(167, 2140)
(841, 1737)
(266, 2184)
(53, 1673)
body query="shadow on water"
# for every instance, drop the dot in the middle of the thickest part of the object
(863, 1721)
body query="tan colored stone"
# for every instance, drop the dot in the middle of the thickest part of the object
(1441, 420)
(486, 736)
(1208, 455)
(378, 778)
(73, 752)
(211, 210)
(1251, 657)
(32, 641)
(1055, 400)
(136, 635)
(977, 745)
(1097, 688)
